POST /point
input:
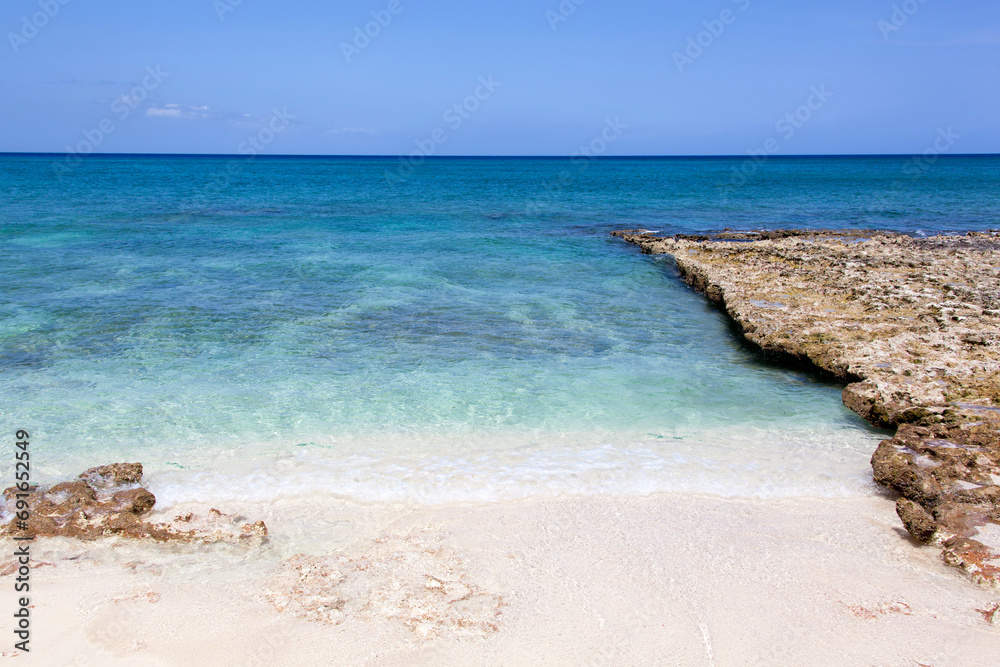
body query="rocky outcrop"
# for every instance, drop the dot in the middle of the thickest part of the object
(913, 325)
(108, 501)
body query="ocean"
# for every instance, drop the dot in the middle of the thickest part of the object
(462, 329)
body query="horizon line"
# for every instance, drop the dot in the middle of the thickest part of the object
(489, 157)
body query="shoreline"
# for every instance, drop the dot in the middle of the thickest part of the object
(567, 580)
(564, 581)
(912, 324)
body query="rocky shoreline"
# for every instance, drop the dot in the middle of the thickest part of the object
(912, 325)
(110, 501)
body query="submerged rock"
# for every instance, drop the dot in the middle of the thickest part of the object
(107, 501)
(913, 325)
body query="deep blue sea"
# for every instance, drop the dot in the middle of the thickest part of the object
(462, 329)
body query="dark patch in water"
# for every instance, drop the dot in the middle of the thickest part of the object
(10, 359)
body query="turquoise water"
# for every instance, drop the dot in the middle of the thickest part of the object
(462, 330)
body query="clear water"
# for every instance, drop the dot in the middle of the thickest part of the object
(251, 329)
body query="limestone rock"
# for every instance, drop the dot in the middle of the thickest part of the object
(912, 324)
(917, 520)
(96, 505)
(134, 501)
(116, 474)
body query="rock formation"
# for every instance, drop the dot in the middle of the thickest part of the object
(109, 501)
(913, 325)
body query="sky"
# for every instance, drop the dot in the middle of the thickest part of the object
(517, 77)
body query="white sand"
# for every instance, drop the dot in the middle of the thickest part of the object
(663, 580)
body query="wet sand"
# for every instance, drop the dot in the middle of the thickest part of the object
(913, 324)
(672, 580)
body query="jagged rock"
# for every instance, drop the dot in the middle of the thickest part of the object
(95, 505)
(963, 519)
(134, 501)
(913, 325)
(865, 399)
(894, 466)
(116, 474)
(917, 520)
(74, 494)
(257, 528)
(981, 563)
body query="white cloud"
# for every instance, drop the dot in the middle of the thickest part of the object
(183, 111)
(163, 112)
(243, 121)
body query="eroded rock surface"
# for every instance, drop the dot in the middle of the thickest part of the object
(913, 324)
(109, 501)
(413, 579)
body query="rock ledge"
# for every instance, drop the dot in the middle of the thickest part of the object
(913, 325)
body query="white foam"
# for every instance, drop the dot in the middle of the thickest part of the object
(752, 463)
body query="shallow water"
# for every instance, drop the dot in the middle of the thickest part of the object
(465, 330)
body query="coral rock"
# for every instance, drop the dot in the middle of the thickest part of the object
(913, 325)
(116, 474)
(917, 520)
(95, 505)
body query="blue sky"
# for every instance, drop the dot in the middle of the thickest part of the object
(530, 77)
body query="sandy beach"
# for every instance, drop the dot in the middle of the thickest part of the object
(522, 334)
(912, 325)
(318, 577)
(659, 580)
